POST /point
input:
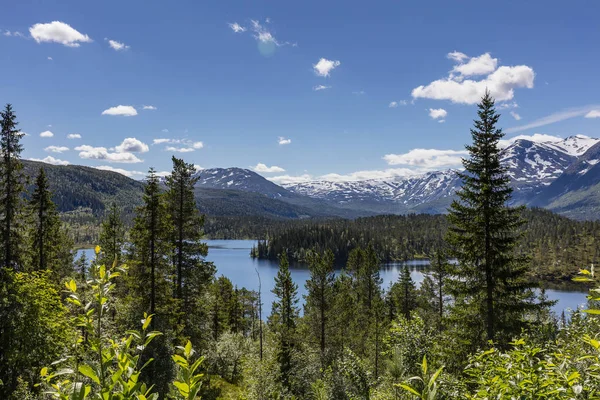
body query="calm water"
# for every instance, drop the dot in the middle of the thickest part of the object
(232, 259)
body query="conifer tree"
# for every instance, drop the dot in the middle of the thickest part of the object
(433, 289)
(11, 190)
(193, 274)
(319, 298)
(112, 236)
(283, 320)
(404, 293)
(50, 245)
(488, 284)
(151, 249)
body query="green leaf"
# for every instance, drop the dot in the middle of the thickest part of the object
(88, 371)
(592, 311)
(409, 389)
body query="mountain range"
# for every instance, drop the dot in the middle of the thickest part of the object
(563, 176)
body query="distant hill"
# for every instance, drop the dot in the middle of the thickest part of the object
(75, 187)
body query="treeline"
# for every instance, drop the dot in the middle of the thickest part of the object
(557, 246)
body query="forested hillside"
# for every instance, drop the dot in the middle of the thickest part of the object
(557, 246)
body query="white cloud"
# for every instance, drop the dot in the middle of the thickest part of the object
(56, 149)
(395, 104)
(58, 32)
(482, 65)
(515, 115)
(289, 179)
(126, 111)
(359, 92)
(149, 108)
(13, 33)
(321, 87)
(237, 28)
(389, 173)
(73, 136)
(537, 137)
(593, 114)
(427, 159)
(508, 104)
(324, 67)
(198, 145)
(436, 113)
(130, 174)
(283, 141)
(46, 134)
(457, 56)
(180, 149)
(165, 130)
(118, 46)
(441, 121)
(51, 160)
(556, 117)
(101, 153)
(163, 140)
(501, 81)
(132, 145)
(262, 34)
(50, 58)
(260, 167)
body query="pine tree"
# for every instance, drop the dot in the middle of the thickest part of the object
(193, 274)
(150, 266)
(112, 237)
(151, 249)
(283, 319)
(433, 289)
(11, 190)
(50, 246)
(404, 294)
(319, 297)
(488, 283)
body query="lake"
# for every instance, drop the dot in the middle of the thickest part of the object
(232, 259)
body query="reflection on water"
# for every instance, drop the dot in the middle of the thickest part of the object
(232, 259)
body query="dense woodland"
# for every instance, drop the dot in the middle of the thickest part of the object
(556, 246)
(148, 318)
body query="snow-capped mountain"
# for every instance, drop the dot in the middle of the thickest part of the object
(531, 165)
(406, 191)
(239, 179)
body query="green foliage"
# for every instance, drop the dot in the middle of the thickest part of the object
(110, 367)
(425, 386)
(34, 326)
(189, 379)
(533, 371)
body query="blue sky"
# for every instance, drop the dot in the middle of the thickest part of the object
(226, 97)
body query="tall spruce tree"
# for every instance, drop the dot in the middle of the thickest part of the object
(193, 274)
(150, 250)
(433, 291)
(150, 267)
(283, 320)
(11, 190)
(404, 294)
(319, 297)
(488, 284)
(50, 246)
(112, 236)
